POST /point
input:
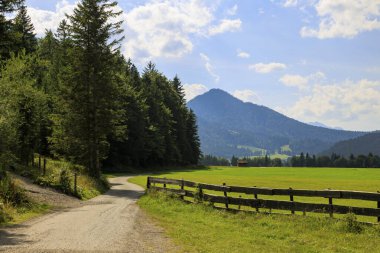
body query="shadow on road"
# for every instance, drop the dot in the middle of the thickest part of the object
(10, 238)
(130, 194)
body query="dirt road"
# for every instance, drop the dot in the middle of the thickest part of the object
(108, 223)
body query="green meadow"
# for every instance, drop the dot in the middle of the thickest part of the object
(200, 228)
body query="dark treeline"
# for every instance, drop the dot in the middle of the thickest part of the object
(210, 160)
(72, 95)
(260, 161)
(360, 161)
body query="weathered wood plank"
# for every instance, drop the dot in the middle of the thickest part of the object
(371, 196)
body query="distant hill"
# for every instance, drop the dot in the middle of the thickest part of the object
(228, 126)
(363, 145)
(319, 124)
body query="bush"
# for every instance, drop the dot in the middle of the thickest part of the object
(10, 193)
(352, 225)
(65, 181)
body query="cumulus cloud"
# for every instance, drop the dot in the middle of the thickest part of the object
(209, 67)
(156, 28)
(233, 10)
(226, 25)
(265, 68)
(290, 3)
(246, 95)
(164, 28)
(193, 90)
(301, 82)
(242, 54)
(344, 19)
(43, 19)
(354, 105)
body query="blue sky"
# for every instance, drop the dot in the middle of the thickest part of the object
(313, 60)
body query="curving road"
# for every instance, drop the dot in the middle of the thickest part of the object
(108, 223)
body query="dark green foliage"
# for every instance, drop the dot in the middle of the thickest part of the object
(351, 224)
(226, 123)
(336, 161)
(24, 31)
(11, 193)
(72, 95)
(8, 37)
(369, 143)
(65, 181)
(209, 160)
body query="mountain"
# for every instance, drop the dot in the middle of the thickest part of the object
(363, 145)
(228, 126)
(319, 124)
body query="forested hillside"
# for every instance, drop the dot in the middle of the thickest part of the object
(71, 94)
(363, 145)
(228, 126)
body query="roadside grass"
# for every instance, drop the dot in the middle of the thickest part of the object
(15, 206)
(19, 214)
(284, 177)
(201, 228)
(59, 174)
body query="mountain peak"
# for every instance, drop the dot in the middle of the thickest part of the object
(228, 126)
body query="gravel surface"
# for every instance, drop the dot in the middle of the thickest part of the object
(108, 223)
(46, 195)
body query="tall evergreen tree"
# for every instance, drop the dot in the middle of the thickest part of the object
(192, 135)
(7, 37)
(24, 30)
(90, 90)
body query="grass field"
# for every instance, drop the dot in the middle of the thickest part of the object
(194, 225)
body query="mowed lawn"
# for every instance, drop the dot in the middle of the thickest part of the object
(200, 228)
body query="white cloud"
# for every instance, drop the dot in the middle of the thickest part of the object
(301, 82)
(193, 90)
(43, 19)
(242, 54)
(226, 25)
(164, 28)
(246, 95)
(233, 10)
(345, 19)
(294, 81)
(290, 3)
(209, 67)
(265, 68)
(353, 105)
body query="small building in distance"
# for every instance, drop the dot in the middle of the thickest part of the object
(242, 163)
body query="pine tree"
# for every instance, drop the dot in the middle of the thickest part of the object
(192, 135)
(7, 36)
(90, 89)
(24, 30)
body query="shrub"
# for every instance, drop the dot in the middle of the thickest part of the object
(65, 181)
(351, 224)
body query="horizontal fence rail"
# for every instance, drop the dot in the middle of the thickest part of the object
(257, 202)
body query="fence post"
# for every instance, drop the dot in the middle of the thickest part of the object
(44, 171)
(225, 195)
(331, 207)
(239, 202)
(378, 206)
(75, 183)
(148, 182)
(164, 183)
(182, 188)
(291, 198)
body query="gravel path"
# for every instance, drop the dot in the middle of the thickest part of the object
(108, 223)
(46, 195)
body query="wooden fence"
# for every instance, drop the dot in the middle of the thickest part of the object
(257, 203)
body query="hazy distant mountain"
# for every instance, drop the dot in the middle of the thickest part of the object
(319, 124)
(363, 145)
(228, 126)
